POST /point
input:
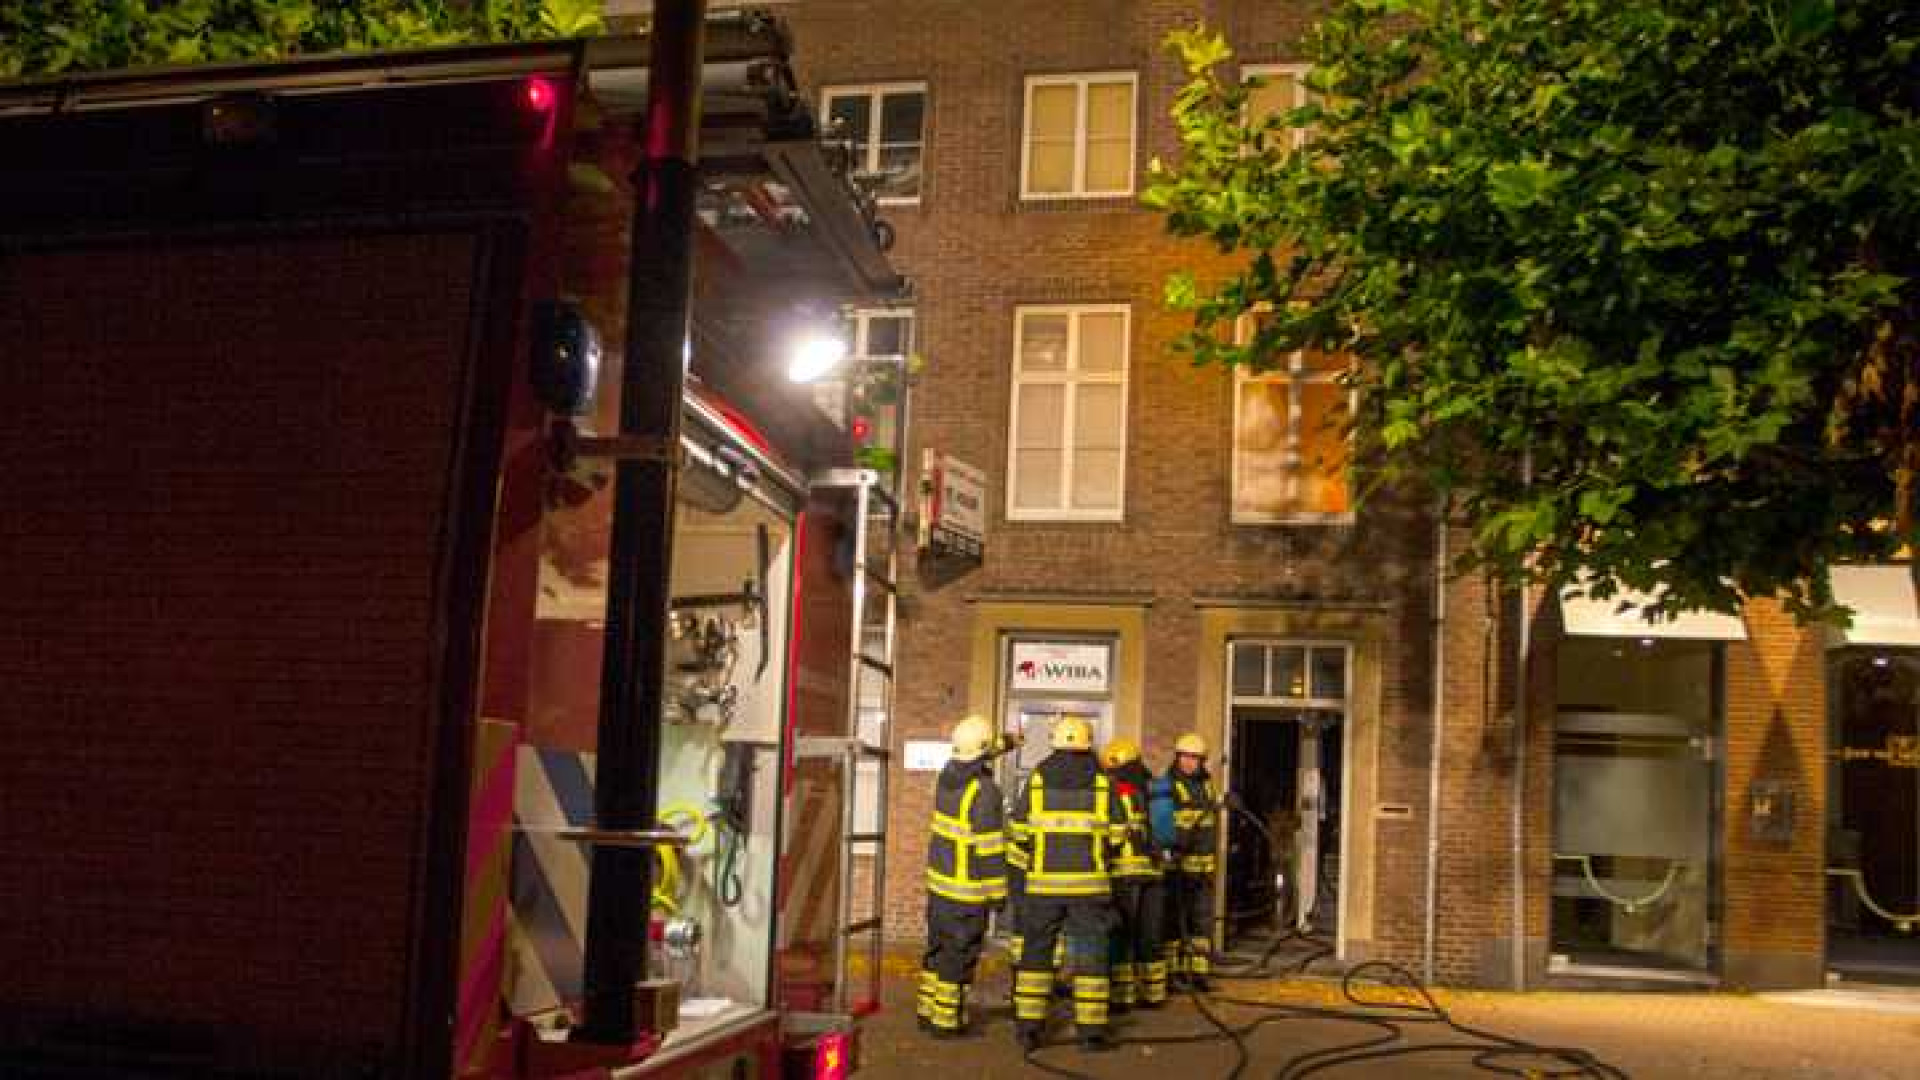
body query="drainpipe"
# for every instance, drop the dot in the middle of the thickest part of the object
(1435, 748)
(1521, 681)
(652, 380)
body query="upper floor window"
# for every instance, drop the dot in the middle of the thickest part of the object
(877, 338)
(887, 125)
(1079, 139)
(1067, 453)
(1273, 89)
(1290, 441)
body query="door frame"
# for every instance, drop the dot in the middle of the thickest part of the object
(1228, 727)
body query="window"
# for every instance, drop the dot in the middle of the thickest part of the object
(1279, 87)
(1066, 459)
(887, 125)
(873, 334)
(1079, 136)
(1290, 443)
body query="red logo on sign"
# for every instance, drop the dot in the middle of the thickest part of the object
(1027, 669)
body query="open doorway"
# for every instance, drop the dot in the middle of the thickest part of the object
(1285, 781)
(1873, 846)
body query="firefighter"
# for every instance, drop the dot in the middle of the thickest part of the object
(1187, 790)
(966, 876)
(1139, 972)
(1065, 826)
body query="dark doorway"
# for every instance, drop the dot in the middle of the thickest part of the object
(1283, 832)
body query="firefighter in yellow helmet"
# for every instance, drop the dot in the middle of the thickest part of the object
(1186, 801)
(1065, 826)
(966, 876)
(1139, 893)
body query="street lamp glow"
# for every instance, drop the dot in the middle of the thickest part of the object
(814, 356)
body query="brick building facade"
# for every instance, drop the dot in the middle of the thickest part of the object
(1003, 234)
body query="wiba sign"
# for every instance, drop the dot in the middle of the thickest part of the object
(1062, 667)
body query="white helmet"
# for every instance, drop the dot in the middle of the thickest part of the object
(972, 738)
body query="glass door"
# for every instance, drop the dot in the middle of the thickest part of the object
(1873, 843)
(1635, 804)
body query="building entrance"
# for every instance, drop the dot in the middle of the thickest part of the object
(1873, 840)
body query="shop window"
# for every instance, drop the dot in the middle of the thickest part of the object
(1067, 453)
(1291, 444)
(1047, 679)
(1634, 796)
(1079, 136)
(887, 125)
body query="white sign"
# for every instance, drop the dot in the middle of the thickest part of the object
(955, 510)
(927, 756)
(1061, 667)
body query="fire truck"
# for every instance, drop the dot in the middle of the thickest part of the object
(440, 639)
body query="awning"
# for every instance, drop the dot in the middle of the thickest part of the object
(1884, 608)
(1620, 616)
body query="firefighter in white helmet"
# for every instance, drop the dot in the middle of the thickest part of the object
(1187, 791)
(1065, 827)
(966, 876)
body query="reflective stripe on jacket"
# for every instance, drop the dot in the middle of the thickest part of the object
(1196, 821)
(1064, 836)
(966, 850)
(1136, 860)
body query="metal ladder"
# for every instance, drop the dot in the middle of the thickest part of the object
(868, 733)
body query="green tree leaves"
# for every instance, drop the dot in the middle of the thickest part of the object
(57, 36)
(1635, 283)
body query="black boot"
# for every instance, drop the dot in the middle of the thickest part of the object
(1097, 1041)
(1029, 1035)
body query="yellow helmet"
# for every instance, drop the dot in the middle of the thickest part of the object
(972, 737)
(1191, 743)
(1072, 733)
(1119, 752)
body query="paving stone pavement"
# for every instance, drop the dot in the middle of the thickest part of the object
(1820, 1035)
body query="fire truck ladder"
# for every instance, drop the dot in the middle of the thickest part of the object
(864, 747)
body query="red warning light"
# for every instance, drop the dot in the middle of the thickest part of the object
(540, 95)
(862, 428)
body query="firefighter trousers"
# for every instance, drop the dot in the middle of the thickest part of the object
(1139, 970)
(1086, 923)
(955, 934)
(1188, 945)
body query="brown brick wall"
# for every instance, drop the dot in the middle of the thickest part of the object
(974, 252)
(1776, 733)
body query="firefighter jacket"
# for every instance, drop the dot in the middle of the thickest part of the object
(1196, 820)
(966, 853)
(1065, 828)
(1139, 857)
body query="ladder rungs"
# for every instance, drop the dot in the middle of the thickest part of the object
(879, 578)
(867, 838)
(880, 752)
(861, 927)
(880, 666)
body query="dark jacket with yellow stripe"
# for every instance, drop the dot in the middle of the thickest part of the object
(1138, 858)
(1196, 820)
(1065, 828)
(967, 852)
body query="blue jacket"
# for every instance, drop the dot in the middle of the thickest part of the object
(1160, 804)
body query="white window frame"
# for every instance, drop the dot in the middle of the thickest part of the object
(1080, 81)
(860, 322)
(1294, 375)
(1250, 72)
(1072, 378)
(870, 151)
